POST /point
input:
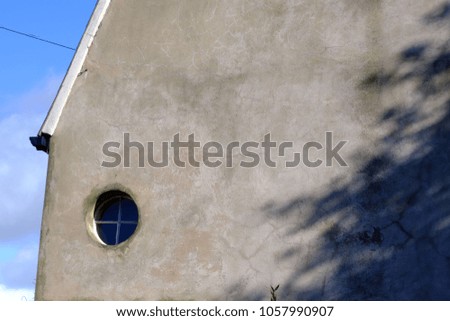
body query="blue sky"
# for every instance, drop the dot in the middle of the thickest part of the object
(31, 72)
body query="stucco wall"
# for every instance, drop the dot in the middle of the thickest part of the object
(235, 71)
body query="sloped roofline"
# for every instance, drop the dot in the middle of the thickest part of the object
(52, 119)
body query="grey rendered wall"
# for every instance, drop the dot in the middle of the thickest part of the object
(374, 73)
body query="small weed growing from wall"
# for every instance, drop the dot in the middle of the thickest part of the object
(273, 295)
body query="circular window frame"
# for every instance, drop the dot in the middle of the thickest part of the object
(102, 203)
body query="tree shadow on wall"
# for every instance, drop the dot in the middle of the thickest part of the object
(390, 233)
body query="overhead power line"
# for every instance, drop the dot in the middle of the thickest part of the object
(37, 38)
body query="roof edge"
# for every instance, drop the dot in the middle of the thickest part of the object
(52, 119)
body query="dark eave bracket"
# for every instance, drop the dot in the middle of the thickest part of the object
(41, 142)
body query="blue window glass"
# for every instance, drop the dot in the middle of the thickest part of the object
(116, 217)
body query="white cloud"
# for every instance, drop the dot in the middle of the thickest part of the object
(7, 294)
(22, 185)
(20, 270)
(23, 169)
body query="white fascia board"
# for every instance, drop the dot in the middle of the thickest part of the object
(52, 119)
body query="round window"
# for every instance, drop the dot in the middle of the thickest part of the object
(116, 217)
